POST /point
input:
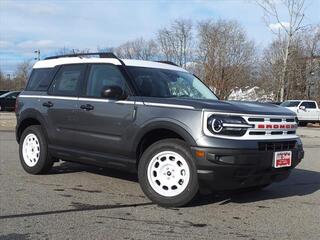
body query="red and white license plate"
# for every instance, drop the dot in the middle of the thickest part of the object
(282, 159)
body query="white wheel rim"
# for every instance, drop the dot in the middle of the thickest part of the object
(168, 173)
(31, 150)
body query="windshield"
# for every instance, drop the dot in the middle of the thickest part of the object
(163, 83)
(290, 104)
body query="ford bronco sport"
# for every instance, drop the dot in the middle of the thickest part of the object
(154, 118)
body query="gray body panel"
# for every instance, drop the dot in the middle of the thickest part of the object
(110, 133)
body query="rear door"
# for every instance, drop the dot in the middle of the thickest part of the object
(61, 104)
(310, 113)
(106, 125)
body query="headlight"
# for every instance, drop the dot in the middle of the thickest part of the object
(227, 125)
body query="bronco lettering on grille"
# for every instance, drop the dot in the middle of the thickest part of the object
(276, 126)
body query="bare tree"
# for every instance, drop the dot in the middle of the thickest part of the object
(176, 42)
(312, 60)
(65, 50)
(21, 75)
(227, 55)
(138, 49)
(2, 80)
(284, 30)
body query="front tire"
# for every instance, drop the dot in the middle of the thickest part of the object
(33, 151)
(168, 174)
(303, 124)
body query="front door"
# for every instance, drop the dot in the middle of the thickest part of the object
(310, 113)
(105, 125)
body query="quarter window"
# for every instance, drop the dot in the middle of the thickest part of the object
(40, 79)
(68, 80)
(102, 76)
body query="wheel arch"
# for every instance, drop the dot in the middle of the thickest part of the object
(27, 119)
(160, 130)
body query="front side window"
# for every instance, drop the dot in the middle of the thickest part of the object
(68, 80)
(163, 83)
(309, 105)
(102, 76)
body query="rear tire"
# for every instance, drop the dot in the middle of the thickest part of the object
(33, 151)
(167, 173)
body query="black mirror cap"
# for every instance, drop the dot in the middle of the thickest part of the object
(114, 92)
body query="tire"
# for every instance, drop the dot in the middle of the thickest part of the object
(34, 155)
(167, 173)
(303, 124)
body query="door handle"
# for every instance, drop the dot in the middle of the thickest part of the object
(87, 107)
(47, 104)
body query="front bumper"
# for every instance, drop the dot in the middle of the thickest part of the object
(226, 169)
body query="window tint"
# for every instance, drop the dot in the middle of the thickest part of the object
(68, 80)
(163, 83)
(102, 76)
(309, 104)
(40, 79)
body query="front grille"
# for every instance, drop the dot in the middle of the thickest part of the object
(276, 146)
(270, 126)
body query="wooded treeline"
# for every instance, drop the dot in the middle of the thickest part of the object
(221, 53)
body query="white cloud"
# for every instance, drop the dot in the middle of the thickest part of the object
(33, 7)
(32, 44)
(5, 44)
(279, 26)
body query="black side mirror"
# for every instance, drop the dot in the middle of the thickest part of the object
(114, 92)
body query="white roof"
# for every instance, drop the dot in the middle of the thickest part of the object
(50, 63)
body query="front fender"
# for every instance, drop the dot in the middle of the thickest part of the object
(165, 123)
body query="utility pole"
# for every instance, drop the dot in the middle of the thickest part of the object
(37, 58)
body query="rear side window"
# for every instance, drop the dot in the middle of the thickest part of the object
(309, 104)
(40, 79)
(68, 80)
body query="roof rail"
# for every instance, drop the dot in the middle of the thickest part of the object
(168, 62)
(101, 55)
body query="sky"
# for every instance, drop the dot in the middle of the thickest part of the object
(28, 25)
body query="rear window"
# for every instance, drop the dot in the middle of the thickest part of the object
(40, 79)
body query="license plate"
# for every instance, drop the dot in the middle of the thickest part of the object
(282, 159)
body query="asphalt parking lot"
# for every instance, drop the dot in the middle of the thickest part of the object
(85, 202)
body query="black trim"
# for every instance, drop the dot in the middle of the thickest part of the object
(101, 55)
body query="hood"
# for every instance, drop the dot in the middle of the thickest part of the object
(244, 107)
